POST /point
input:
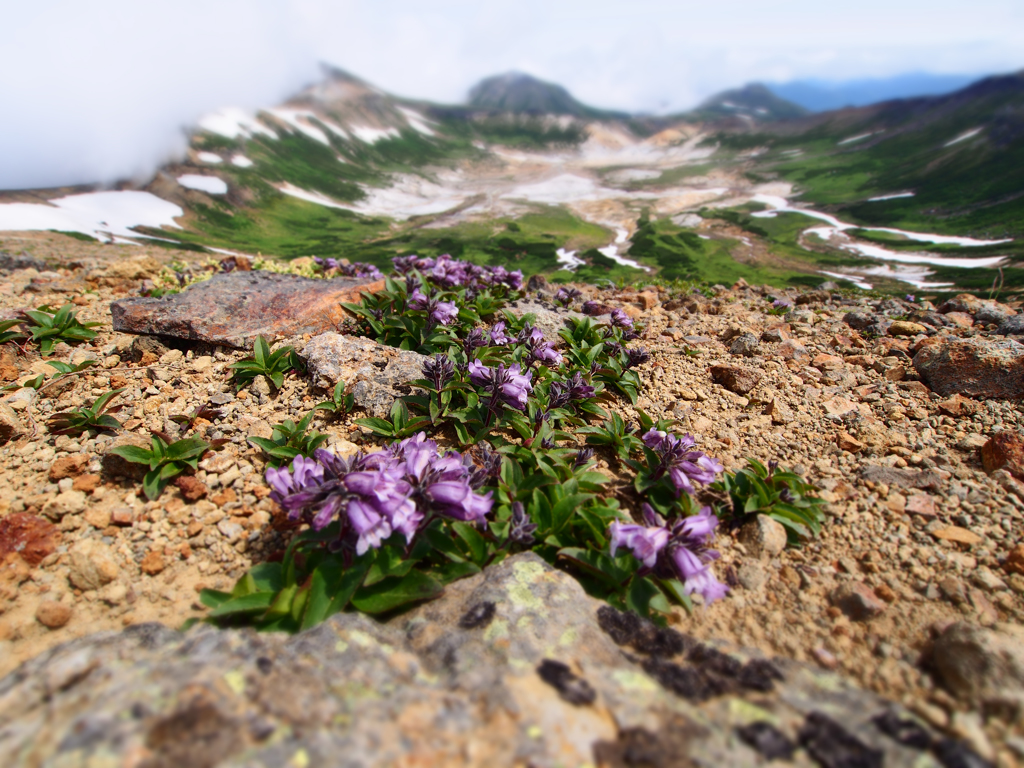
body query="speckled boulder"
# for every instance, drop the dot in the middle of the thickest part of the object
(975, 367)
(514, 666)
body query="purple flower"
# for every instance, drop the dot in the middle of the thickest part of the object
(418, 300)
(645, 542)
(679, 550)
(539, 348)
(620, 319)
(636, 356)
(438, 370)
(506, 385)
(565, 296)
(498, 336)
(406, 264)
(910, 297)
(781, 303)
(359, 269)
(561, 393)
(521, 528)
(682, 465)
(444, 312)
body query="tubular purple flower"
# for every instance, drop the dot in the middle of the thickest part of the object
(457, 500)
(418, 300)
(645, 543)
(444, 312)
(621, 320)
(371, 527)
(498, 336)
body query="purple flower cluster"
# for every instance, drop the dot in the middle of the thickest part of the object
(565, 296)
(356, 269)
(782, 303)
(636, 356)
(397, 490)
(911, 298)
(539, 349)
(677, 550)
(440, 312)
(682, 465)
(508, 386)
(561, 393)
(453, 273)
(621, 320)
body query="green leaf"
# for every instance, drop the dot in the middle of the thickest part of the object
(640, 594)
(132, 453)
(393, 593)
(282, 603)
(253, 603)
(675, 590)
(212, 598)
(322, 586)
(187, 448)
(471, 536)
(451, 571)
(267, 577)
(390, 561)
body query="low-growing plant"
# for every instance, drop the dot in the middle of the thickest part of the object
(94, 417)
(781, 495)
(290, 439)
(392, 527)
(6, 334)
(48, 327)
(339, 404)
(65, 368)
(166, 459)
(273, 365)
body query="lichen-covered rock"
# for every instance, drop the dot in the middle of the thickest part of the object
(236, 307)
(976, 367)
(516, 665)
(375, 375)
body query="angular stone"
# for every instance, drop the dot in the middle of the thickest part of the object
(65, 503)
(1015, 560)
(922, 505)
(957, 534)
(763, 537)
(91, 564)
(234, 308)
(826, 362)
(793, 350)
(1004, 450)
(549, 318)
(735, 379)
(1012, 326)
(857, 600)
(979, 663)
(848, 442)
(858, 320)
(152, 563)
(375, 375)
(975, 367)
(68, 466)
(11, 427)
(906, 328)
(31, 537)
(745, 345)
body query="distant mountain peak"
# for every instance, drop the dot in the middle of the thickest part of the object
(523, 93)
(753, 101)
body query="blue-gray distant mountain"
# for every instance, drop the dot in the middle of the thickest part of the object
(524, 94)
(823, 95)
(753, 101)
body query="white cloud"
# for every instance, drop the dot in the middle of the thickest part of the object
(101, 90)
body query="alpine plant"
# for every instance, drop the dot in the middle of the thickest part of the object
(397, 490)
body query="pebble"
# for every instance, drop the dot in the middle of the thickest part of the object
(52, 614)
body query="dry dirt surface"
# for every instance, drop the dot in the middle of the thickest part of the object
(919, 535)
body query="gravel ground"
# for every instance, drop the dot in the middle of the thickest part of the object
(829, 403)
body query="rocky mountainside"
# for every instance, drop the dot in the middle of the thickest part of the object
(522, 93)
(753, 103)
(894, 636)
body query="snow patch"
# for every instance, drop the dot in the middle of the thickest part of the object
(107, 216)
(417, 121)
(299, 120)
(234, 123)
(852, 278)
(612, 252)
(859, 137)
(210, 157)
(309, 196)
(212, 185)
(568, 259)
(963, 137)
(372, 135)
(897, 196)
(242, 161)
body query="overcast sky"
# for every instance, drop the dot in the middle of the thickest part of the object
(96, 90)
